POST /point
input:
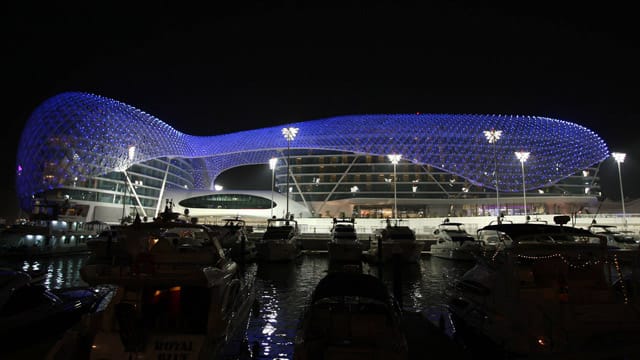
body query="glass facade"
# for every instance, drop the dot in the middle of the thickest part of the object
(112, 188)
(226, 201)
(321, 177)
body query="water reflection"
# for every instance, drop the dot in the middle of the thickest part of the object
(59, 271)
(284, 288)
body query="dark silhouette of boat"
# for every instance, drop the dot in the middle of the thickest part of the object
(31, 313)
(177, 296)
(350, 316)
(554, 292)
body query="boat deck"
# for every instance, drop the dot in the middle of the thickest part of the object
(426, 341)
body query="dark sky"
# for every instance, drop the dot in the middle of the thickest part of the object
(207, 69)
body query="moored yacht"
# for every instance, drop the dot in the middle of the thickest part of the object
(554, 292)
(394, 242)
(344, 246)
(233, 236)
(350, 316)
(453, 242)
(102, 246)
(177, 296)
(280, 241)
(48, 237)
(615, 238)
(31, 313)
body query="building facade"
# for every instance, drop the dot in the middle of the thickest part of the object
(118, 161)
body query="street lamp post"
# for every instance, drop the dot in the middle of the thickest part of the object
(395, 159)
(620, 159)
(523, 156)
(493, 136)
(272, 166)
(289, 134)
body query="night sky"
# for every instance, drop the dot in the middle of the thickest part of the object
(210, 69)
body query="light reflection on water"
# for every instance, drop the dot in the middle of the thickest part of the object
(284, 288)
(61, 271)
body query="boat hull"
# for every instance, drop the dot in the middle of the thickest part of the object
(409, 252)
(277, 251)
(553, 293)
(460, 253)
(452, 254)
(351, 253)
(163, 317)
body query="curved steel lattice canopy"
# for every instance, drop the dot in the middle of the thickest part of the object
(82, 135)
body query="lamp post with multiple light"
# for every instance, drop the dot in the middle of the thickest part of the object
(619, 157)
(493, 136)
(289, 134)
(272, 166)
(395, 159)
(523, 156)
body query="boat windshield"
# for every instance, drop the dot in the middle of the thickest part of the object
(277, 233)
(493, 237)
(452, 227)
(355, 285)
(187, 236)
(234, 223)
(397, 233)
(603, 229)
(344, 232)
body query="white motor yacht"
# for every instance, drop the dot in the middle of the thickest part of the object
(344, 246)
(280, 241)
(394, 242)
(453, 242)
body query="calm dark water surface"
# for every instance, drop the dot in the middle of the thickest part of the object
(61, 271)
(283, 289)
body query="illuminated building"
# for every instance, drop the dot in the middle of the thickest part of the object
(101, 152)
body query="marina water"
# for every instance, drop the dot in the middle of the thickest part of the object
(283, 289)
